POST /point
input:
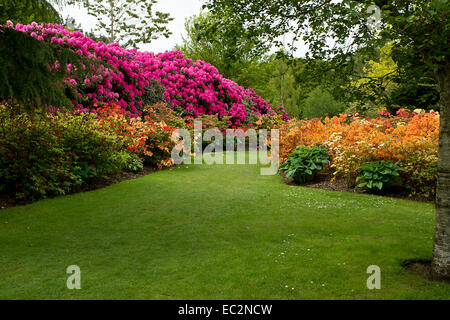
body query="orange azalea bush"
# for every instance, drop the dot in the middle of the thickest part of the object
(412, 139)
(269, 121)
(149, 137)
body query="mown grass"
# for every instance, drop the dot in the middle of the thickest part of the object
(215, 232)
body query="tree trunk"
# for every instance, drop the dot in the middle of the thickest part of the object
(441, 251)
(111, 17)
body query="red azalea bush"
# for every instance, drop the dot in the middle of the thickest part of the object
(148, 137)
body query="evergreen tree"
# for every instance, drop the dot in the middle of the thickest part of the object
(26, 72)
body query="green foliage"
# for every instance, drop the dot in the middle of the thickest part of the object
(132, 162)
(283, 86)
(89, 141)
(84, 171)
(27, 11)
(128, 22)
(231, 51)
(418, 26)
(418, 29)
(381, 84)
(319, 103)
(26, 74)
(32, 162)
(309, 20)
(419, 173)
(378, 80)
(154, 93)
(378, 175)
(54, 154)
(304, 163)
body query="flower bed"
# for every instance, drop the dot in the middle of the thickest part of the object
(131, 79)
(409, 138)
(57, 153)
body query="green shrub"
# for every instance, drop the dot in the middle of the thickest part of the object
(378, 175)
(154, 93)
(133, 163)
(88, 141)
(32, 161)
(303, 164)
(84, 171)
(52, 155)
(320, 102)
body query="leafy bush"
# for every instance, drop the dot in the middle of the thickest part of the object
(126, 77)
(32, 162)
(132, 162)
(153, 94)
(53, 154)
(409, 137)
(148, 137)
(84, 171)
(304, 163)
(84, 137)
(378, 175)
(319, 103)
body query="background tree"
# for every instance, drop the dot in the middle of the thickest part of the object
(241, 57)
(25, 72)
(419, 30)
(231, 51)
(27, 11)
(128, 22)
(379, 83)
(27, 75)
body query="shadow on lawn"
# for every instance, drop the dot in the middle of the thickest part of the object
(421, 267)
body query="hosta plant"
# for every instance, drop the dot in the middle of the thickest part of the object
(303, 164)
(379, 175)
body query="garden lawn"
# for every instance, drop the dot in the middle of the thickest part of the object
(215, 232)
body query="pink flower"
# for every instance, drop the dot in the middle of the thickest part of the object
(194, 85)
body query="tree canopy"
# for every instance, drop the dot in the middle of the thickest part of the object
(27, 11)
(419, 31)
(128, 22)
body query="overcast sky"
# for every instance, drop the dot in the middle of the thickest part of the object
(178, 9)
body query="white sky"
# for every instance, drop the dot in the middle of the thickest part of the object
(178, 9)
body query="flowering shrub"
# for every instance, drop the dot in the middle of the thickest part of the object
(53, 154)
(127, 78)
(411, 138)
(148, 137)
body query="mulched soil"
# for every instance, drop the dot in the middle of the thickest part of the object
(9, 200)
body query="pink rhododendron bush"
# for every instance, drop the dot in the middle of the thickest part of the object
(128, 77)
